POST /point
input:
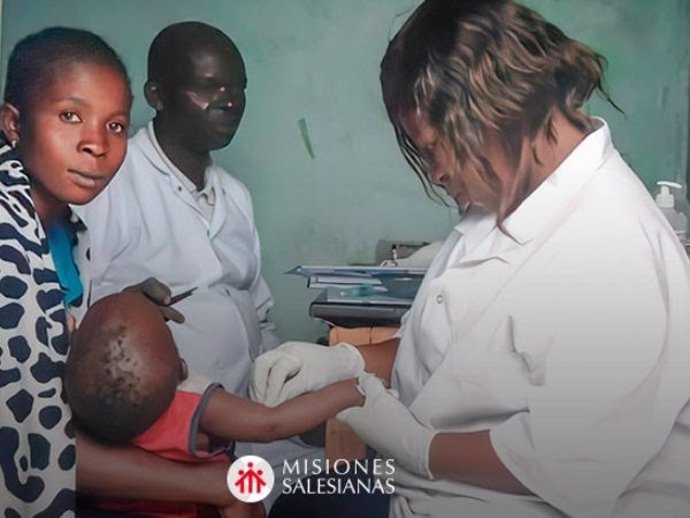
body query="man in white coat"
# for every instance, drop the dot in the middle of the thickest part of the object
(174, 215)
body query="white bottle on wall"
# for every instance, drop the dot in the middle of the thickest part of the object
(667, 203)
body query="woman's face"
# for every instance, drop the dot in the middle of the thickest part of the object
(73, 137)
(464, 186)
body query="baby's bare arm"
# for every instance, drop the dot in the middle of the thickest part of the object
(227, 416)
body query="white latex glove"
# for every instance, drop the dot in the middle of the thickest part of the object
(298, 367)
(386, 425)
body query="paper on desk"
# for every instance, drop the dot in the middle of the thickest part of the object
(373, 284)
(357, 271)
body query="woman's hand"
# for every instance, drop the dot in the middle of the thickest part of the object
(298, 367)
(129, 472)
(241, 510)
(71, 325)
(160, 295)
(386, 425)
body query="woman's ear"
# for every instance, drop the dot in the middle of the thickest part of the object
(152, 94)
(9, 122)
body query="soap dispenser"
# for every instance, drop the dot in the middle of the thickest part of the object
(667, 203)
(682, 204)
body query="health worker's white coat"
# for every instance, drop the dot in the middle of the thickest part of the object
(569, 342)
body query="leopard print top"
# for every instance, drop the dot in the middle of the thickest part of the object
(37, 447)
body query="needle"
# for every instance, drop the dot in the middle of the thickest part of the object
(181, 296)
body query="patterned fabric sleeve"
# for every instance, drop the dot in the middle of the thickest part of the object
(37, 453)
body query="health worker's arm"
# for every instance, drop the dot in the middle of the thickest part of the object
(296, 368)
(465, 457)
(379, 358)
(470, 458)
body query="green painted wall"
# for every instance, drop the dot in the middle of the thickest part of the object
(318, 60)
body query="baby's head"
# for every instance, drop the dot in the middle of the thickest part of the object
(123, 368)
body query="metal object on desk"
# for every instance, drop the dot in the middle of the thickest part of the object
(395, 250)
(354, 314)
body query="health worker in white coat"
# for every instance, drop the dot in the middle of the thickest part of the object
(543, 368)
(175, 216)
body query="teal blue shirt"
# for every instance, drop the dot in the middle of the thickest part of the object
(62, 240)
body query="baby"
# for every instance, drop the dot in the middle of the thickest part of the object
(127, 384)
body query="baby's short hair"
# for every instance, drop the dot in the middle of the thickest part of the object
(122, 369)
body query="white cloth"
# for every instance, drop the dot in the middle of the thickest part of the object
(571, 344)
(146, 223)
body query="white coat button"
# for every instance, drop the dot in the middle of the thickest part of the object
(439, 298)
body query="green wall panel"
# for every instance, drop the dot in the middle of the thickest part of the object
(317, 60)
